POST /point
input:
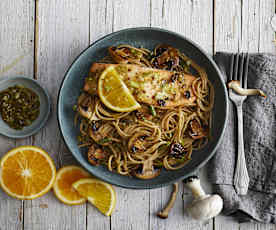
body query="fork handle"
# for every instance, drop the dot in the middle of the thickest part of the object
(241, 179)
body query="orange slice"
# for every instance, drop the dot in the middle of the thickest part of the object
(27, 172)
(114, 93)
(98, 193)
(63, 189)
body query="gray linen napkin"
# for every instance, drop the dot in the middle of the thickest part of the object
(259, 143)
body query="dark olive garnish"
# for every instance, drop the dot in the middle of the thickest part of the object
(134, 149)
(94, 126)
(169, 64)
(143, 137)
(161, 102)
(19, 106)
(187, 94)
(174, 77)
(177, 150)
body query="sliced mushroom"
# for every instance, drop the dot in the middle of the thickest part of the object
(197, 130)
(235, 85)
(95, 154)
(167, 57)
(101, 133)
(148, 171)
(119, 59)
(88, 113)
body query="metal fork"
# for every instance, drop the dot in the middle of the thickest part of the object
(239, 71)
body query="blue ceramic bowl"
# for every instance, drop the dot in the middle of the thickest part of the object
(44, 107)
(148, 38)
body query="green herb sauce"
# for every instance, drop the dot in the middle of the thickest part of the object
(19, 106)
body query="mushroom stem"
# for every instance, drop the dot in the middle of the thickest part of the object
(235, 85)
(196, 189)
(165, 212)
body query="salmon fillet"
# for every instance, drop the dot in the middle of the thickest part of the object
(155, 87)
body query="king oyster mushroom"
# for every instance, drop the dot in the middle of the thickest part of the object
(204, 206)
(197, 130)
(235, 85)
(165, 212)
(148, 171)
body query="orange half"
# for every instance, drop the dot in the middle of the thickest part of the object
(27, 172)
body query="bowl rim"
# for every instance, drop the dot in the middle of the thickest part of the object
(196, 168)
(35, 129)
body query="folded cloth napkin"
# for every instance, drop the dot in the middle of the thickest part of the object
(259, 144)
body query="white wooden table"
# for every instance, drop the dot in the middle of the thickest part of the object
(40, 39)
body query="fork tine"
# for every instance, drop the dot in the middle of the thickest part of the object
(240, 69)
(231, 68)
(236, 66)
(245, 72)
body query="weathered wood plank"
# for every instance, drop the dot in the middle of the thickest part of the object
(16, 58)
(62, 33)
(227, 25)
(267, 10)
(132, 208)
(243, 27)
(133, 205)
(105, 17)
(100, 24)
(188, 19)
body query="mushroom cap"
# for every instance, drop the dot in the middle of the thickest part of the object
(148, 174)
(148, 171)
(206, 208)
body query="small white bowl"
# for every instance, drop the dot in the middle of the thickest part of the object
(45, 107)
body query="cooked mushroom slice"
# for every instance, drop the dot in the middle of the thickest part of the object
(197, 130)
(165, 212)
(119, 59)
(204, 206)
(235, 85)
(88, 113)
(95, 154)
(100, 136)
(167, 57)
(148, 171)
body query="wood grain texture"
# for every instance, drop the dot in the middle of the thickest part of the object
(64, 29)
(61, 34)
(186, 18)
(16, 58)
(227, 25)
(267, 10)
